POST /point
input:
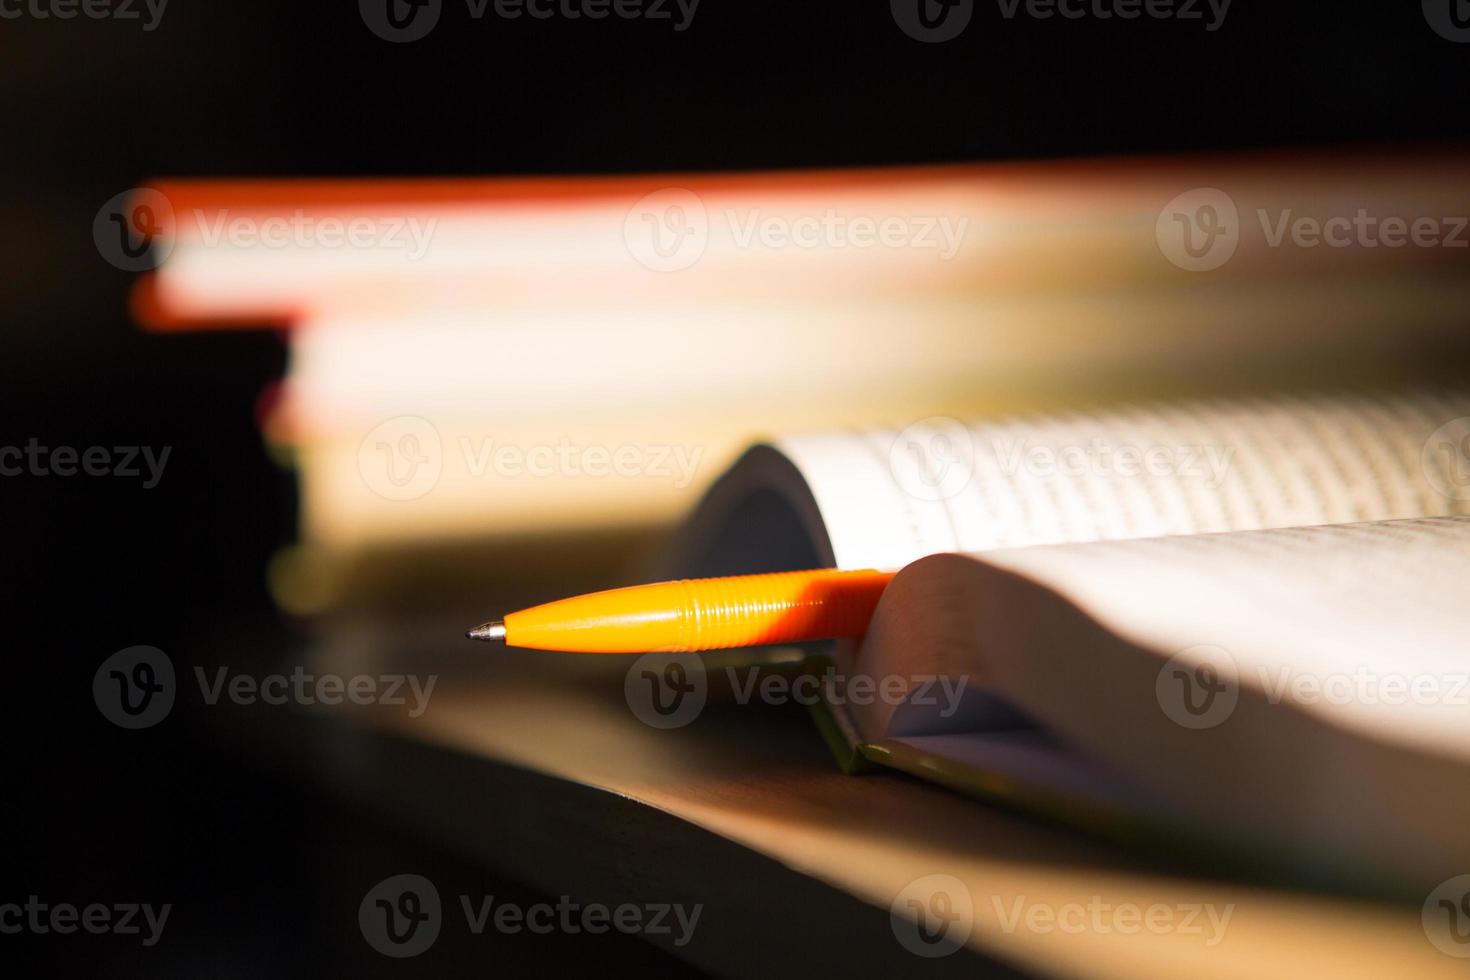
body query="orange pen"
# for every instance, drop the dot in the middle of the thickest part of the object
(699, 614)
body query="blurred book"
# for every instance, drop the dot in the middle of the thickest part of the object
(517, 360)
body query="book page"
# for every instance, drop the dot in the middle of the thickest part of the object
(1300, 687)
(1365, 624)
(888, 498)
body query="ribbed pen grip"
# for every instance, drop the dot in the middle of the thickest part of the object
(782, 607)
(703, 614)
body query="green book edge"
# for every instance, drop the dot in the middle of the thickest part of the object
(1260, 861)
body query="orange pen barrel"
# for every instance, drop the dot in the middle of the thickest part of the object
(704, 614)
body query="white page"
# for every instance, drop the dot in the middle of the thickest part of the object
(888, 498)
(1362, 624)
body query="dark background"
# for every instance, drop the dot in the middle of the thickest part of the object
(263, 874)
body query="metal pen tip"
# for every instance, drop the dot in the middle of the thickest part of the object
(489, 632)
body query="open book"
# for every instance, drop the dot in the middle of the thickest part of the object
(504, 392)
(1248, 618)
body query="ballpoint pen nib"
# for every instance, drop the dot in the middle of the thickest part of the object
(490, 633)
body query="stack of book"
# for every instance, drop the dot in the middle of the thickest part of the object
(507, 360)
